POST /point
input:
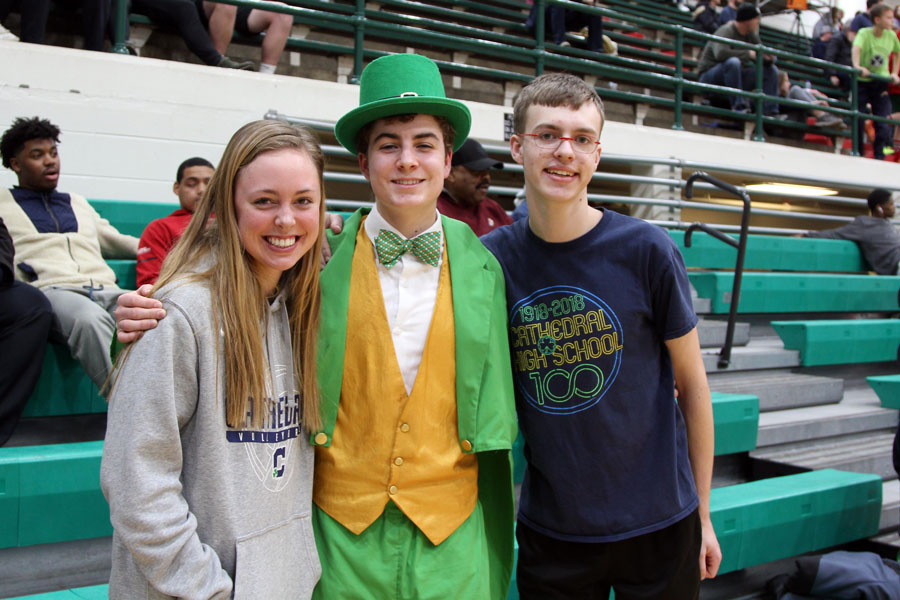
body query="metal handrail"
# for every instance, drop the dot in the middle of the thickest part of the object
(740, 244)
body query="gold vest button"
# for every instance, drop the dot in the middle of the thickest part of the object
(404, 428)
(393, 489)
(466, 445)
(321, 438)
(398, 461)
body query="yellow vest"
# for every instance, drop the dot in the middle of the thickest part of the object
(387, 444)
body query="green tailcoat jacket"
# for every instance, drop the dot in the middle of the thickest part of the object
(484, 388)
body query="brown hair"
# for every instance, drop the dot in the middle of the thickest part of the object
(239, 303)
(555, 89)
(362, 137)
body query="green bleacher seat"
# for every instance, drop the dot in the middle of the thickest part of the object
(736, 421)
(772, 253)
(799, 292)
(836, 342)
(132, 217)
(769, 519)
(888, 389)
(63, 388)
(126, 272)
(51, 493)
(95, 592)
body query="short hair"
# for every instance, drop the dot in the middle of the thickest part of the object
(880, 9)
(362, 136)
(871, 3)
(555, 89)
(24, 130)
(195, 161)
(878, 196)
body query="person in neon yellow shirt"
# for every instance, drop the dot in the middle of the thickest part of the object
(872, 50)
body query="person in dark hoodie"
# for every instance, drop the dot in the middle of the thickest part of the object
(878, 239)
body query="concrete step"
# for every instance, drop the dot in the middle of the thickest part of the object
(759, 353)
(780, 389)
(816, 422)
(712, 333)
(890, 509)
(51, 567)
(866, 452)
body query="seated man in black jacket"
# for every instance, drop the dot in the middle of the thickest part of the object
(25, 318)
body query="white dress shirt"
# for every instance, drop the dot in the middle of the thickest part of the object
(409, 289)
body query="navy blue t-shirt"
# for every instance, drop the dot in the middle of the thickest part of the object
(605, 442)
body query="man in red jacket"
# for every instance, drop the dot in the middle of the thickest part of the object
(466, 187)
(160, 235)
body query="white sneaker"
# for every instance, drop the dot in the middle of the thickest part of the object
(6, 35)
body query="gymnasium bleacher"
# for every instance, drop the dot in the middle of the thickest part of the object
(804, 412)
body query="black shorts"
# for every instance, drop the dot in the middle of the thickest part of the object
(241, 24)
(661, 565)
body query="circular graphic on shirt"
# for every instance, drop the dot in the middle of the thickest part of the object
(876, 62)
(566, 349)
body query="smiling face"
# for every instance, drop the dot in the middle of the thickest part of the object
(37, 165)
(561, 174)
(276, 202)
(406, 164)
(468, 187)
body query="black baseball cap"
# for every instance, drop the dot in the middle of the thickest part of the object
(472, 156)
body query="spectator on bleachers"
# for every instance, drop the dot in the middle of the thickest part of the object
(873, 49)
(206, 463)
(187, 18)
(160, 236)
(863, 19)
(824, 30)
(840, 52)
(465, 194)
(558, 20)
(225, 18)
(25, 320)
(706, 17)
(728, 12)
(720, 64)
(786, 89)
(95, 19)
(59, 239)
(646, 486)
(876, 236)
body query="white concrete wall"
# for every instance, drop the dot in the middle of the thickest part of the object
(128, 122)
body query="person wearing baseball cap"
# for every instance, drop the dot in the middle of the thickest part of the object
(721, 64)
(466, 187)
(413, 491)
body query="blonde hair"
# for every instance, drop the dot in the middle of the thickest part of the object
(239, 303)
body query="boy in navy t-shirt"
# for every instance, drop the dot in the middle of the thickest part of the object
(616, 492)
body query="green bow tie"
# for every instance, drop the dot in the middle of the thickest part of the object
(390, 247)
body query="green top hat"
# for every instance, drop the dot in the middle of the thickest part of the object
(401, 84)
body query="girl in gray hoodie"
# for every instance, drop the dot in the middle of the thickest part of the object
(205, 465)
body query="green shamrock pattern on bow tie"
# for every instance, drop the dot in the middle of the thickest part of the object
(390, 247)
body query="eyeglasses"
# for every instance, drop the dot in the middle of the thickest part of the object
(551, 141)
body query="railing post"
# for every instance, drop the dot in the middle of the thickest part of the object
(679, 76)
(359, 31)
(758, 103)
(121, 26)
(539, 29)
(854, 120)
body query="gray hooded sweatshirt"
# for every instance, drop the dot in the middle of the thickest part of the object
(201, 510)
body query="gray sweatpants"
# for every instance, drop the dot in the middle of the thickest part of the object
(86, 321)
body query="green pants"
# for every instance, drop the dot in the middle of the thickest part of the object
(393, 560)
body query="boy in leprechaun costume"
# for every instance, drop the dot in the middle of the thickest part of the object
(413, 483)
(413, 486)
